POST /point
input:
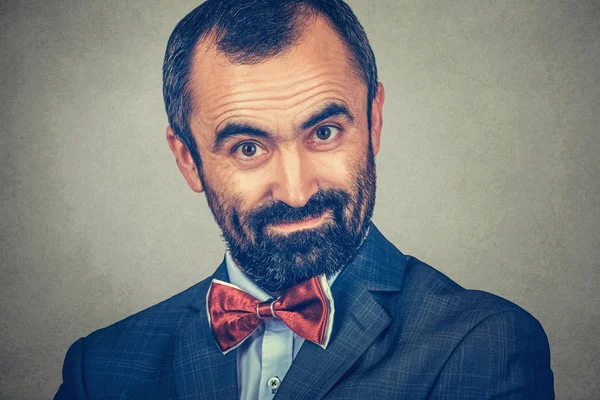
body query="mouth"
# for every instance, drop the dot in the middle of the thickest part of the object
(307, 223)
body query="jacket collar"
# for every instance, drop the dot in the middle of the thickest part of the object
(378, 263)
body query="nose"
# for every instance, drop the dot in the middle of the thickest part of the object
(295, 179)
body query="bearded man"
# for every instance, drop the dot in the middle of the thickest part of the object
(275, 113)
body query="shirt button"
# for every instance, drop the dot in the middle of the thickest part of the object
(274, 383)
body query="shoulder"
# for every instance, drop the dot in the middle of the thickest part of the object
(134, 347)
(465, 343)
(160, 320)
(432, 308)
(428, 289)
(491, 344)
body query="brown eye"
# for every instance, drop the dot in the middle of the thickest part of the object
(326, 133)
(248, 149)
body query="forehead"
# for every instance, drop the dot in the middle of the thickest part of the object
(315, 70)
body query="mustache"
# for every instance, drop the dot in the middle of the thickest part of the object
(278, 212)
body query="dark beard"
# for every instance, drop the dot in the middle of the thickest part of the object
(275, 261)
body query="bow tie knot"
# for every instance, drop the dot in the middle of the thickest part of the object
(306, 308)
(265, 310)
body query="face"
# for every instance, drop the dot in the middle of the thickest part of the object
(287, 157)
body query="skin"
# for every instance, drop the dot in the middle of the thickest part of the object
(278, 97)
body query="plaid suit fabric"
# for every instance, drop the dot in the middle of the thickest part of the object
(402, 330)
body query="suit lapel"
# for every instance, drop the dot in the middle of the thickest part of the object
(201, 371)
(359, 319)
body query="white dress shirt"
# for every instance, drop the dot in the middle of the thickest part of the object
(265, 357)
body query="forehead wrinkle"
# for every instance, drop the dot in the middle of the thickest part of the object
(307, 81)
(247, 92)
(268, 82)
(242, 80)
(335, 91)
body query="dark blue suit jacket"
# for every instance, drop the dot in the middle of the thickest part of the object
(402, 330)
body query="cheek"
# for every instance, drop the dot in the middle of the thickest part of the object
(339, 168)
(333, 170)
(249, 188)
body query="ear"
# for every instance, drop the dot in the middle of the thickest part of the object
(377, 118)
(184, 160)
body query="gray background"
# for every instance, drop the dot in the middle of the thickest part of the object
(489, 168)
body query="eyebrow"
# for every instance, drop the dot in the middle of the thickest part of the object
(232, 129)
(329, 111)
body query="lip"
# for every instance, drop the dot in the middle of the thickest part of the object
(307, 223)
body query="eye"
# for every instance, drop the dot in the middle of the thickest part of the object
(247, 150)
(326, 133)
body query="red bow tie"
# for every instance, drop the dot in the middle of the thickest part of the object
(306, 308)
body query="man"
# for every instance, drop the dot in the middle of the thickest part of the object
(275, 113)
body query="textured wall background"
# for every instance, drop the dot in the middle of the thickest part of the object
(489, 169)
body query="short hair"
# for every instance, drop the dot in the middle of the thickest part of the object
(249, 32)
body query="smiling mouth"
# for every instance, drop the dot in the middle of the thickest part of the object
(307, 223)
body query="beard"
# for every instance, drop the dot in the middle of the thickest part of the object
(276, 260)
